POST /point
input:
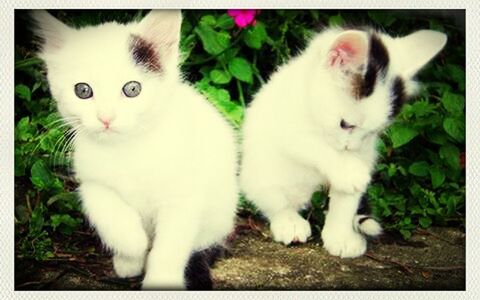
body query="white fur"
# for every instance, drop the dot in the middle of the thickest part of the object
(292, 140)
(164, 174)
(367, 227)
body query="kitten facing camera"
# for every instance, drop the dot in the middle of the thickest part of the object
(316, 122)
(156, 162)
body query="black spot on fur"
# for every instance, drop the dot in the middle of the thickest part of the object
(144, 54)
(363, 207)
(398, 96)
(378, 60)
(197, 272)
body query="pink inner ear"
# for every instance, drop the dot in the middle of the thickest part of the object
(349, 49)
(342, 54)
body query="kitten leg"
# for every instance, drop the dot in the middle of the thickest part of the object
(118, 225)
(172, 247)
(338, 234)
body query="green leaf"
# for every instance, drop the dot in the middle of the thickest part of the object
(22, 214)
(255, 36)
(336, 21)
(241, 69)
(220, 77)
(401, 134)
(24, 63)
(392, 170)
(437, 176)
(456, 73)
(213, 42)
(451, 155)
(37, 219)
(422, 108)
(381, 17)
(381, 147)
(453, 103)
(66, 223)
(36, 86)
(225, 22)
(41, 176)
(455, 128)
(220, 98)
(406, 233)
(64, 197)
(208, 20)
(419, 168)
(23, 92)
(425, 222)
(25, 130)
(437, 137)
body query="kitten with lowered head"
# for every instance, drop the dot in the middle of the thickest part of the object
(156, 162)
(316, 122)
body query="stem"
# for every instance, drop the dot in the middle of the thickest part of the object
(255, 69)
(240, 93)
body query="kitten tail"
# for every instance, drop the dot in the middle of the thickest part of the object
(367, 225)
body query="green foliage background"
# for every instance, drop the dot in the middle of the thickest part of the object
(420, 178)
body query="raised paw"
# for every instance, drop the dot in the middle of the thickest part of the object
(125, 266)
(288, 227)
(353, 177)
(346, 244)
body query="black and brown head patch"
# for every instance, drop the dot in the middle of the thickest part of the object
(378, 59)
(145, 54)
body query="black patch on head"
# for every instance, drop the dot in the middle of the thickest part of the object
(197, 272)
(144, 54)
(377, 66)
(398, 96)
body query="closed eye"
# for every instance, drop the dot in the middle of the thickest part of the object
(345, 125)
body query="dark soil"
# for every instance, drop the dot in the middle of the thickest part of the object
(432, 259)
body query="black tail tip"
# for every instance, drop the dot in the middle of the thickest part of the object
(197, 272)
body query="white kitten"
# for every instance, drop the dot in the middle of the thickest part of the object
(316, 122)
(156, 162)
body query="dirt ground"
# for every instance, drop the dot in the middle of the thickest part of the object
(432, 259)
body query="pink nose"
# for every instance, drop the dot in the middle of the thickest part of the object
(105, 121)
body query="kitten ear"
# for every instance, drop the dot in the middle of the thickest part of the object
(162, 28)
(349, 50)
(49, 29)
(420, 47)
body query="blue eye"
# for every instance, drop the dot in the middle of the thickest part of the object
(132, 89)
(83, 90)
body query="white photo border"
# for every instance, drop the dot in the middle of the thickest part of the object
(7, 8)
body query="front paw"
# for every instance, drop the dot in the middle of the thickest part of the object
(163, 281)
(127, 238)
(125, 266)
(352, 177)
(346, 244)
(288, 227)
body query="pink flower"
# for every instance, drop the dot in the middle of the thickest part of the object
(243, 17)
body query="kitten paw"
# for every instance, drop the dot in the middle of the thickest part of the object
(344, 244)
(163, 281)
(128, 239)
(288, 227)
(125, 266)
